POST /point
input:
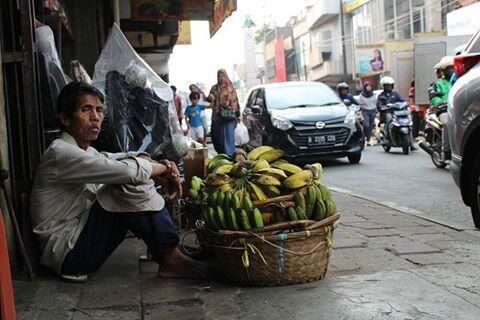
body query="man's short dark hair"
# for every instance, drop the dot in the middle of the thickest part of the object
(70, 96)
(174, 89)
(194, 95)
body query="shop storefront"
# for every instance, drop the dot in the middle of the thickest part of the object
(75, 35)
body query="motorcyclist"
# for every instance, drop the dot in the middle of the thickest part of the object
(342, 89)
(431, 89)
(387, 96)
(442, 88)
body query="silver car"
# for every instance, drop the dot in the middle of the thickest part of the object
(464, 126)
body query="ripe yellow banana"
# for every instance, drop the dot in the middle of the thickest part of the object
(278, 173)
(257, 192)
(226, 187)
(288, 168)
(224, 168)
(217, 179)
(253, 155)
(316, 169)
(298, 180)
(272, 155)
(267, 180)
(260, 165)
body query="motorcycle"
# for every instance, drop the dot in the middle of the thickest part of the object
(399, 129)
(433, 136)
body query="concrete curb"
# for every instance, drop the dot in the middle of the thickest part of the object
(400, 208)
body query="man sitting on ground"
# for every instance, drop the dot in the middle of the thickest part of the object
(83, 202)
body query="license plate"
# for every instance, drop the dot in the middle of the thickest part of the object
(402, 113)
(320, 140)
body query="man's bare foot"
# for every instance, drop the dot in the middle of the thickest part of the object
(178, 265)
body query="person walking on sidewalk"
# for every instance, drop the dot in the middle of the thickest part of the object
(83, 202)
(194, 121)
(368, 103)
(203, 101)
(225, 114)
(177, 100)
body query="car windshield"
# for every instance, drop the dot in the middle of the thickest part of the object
(301, 96)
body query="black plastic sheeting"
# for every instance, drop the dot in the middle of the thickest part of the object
(136, 119)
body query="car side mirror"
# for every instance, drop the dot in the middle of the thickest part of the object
(256, 110)
(347, 102)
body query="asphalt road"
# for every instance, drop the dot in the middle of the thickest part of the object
(407, 180)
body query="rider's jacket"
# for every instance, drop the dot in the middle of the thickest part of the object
(442, 87)
(386, 97)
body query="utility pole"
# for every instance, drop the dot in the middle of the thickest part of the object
(344, 50)
(304, 61)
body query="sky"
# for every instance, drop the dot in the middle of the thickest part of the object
(199, 62)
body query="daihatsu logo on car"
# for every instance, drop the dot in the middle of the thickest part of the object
(320, 125)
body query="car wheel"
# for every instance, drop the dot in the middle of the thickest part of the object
(474, 188)
(354, 157)
(386, 148)
(406, 149)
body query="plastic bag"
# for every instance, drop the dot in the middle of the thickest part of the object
(139, 110)
(241, 134)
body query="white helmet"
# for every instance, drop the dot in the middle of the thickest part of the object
(387, 80)
(446, 62)
(342, 85)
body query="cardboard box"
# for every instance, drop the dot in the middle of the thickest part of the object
(195, 164)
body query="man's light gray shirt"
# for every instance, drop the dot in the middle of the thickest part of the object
(66, 182)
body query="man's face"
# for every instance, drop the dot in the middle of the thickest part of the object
(86, 121)
(388, 87)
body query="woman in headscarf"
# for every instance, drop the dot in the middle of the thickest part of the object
(225, 114)
(368, 103)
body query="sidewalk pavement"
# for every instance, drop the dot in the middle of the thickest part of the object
(385, 265)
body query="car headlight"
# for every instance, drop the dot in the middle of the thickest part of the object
(281, 123)
(350, 118)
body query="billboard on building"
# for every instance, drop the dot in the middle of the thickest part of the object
(184, 33)
(350, 5)
(464, 21)
(221, 11)
(369, 59)
(280, 67)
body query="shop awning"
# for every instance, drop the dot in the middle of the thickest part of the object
(154, 10)
(222, 10)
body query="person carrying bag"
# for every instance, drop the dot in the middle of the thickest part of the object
(225, 114)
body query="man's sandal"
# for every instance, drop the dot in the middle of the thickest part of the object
(81, 278)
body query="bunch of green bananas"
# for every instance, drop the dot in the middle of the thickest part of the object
(227, 192)
(196, 188)
(226, 211)
(315, 204)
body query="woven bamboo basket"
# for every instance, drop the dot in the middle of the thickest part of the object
(279, 254)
